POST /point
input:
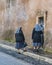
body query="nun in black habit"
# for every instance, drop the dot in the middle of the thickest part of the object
(36, 36)
(20, 39)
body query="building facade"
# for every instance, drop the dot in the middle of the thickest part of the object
(26, 13)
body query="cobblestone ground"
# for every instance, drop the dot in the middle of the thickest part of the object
(23, 57)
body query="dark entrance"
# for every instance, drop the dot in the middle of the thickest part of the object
(41, 22)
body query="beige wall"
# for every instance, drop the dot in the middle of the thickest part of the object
(23, 13)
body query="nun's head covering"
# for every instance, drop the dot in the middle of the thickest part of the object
(18, 29)
(37, 27)
(42, 26)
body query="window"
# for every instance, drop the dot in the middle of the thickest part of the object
(13, 2)
(8, 3)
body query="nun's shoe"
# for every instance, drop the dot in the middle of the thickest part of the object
(19, 53)
(24, 50)
(37, 50)
(34, 50)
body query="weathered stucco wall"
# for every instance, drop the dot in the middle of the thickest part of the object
(14, 13)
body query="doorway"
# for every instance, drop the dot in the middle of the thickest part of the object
(41, 22)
